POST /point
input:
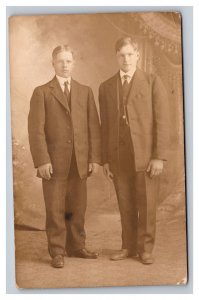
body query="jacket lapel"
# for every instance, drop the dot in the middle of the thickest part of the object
(58, 93)
(114, 92)
(137, 86)
(74, 94)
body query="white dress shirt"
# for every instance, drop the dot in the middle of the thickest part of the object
(129, 74)
(62, 81)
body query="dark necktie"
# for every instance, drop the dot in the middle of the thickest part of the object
(66, 92)
(125, 89)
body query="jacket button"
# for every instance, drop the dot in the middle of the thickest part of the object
(69, 141)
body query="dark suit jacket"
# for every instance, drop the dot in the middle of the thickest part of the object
(148, 114)
(53, 128)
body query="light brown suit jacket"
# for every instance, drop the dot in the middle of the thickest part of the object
(53, 128)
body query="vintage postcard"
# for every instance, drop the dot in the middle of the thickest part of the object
(98, 149)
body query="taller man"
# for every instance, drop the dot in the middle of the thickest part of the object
(64, 136)
(134, 116)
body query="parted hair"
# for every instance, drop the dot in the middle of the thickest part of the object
(62, 48)
(126, 41)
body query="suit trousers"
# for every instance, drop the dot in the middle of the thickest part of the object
(65, 201)
(136, 194)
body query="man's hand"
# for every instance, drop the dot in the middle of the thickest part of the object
(107, 172)
(45, 171)
(93, 168)
(155, 167)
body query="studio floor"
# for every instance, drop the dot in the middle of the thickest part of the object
(33, 269)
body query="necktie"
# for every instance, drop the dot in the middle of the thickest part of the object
(66, 89)
(66, 92)
(125, 89)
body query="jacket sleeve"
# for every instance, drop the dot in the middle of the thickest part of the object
(161, 135)
(36, 124)
(104, 124)
(93, 131)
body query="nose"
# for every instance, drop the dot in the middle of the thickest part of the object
(64, 63)
(125, 59)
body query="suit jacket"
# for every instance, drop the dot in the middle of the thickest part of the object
(148, 114)
(54, 129)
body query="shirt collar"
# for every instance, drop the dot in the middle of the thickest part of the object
(129, 73)
(63, 79)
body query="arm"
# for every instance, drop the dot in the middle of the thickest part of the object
(104, 124)
(161, 128)
(37, 139)
(161, 120)
(93, 134)
(104, 132)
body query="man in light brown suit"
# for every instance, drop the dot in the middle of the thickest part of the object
(135, 140)
(64, 136)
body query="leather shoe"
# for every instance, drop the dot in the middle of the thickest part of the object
(146, 258)
(83, 253)
(57, 261)
(122, 254)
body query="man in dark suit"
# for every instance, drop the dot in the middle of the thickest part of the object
(64, 136)
(135, 140)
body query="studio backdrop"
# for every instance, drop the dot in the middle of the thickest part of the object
(93, 37)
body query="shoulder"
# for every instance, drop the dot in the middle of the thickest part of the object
(109, 81)
(149, 77)
(42, 88)
(84, 91)
(143, 75)
(81, 86)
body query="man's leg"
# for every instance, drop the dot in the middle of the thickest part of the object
(125, 190)
(75, 213)
(54, 195)
(76, 202)
(128, 212)
(146, 195)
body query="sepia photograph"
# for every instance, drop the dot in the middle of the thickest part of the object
(97, 119)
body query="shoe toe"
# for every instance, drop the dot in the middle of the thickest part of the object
(146, 258)
(58, 261)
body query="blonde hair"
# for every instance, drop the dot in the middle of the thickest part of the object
(62, 48)
(126, 41)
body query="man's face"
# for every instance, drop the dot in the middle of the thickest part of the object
(127, 58)
(63, 64)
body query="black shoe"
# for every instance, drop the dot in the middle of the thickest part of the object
(146, 258)
(83, 253)
(57, 261)
(123, 254)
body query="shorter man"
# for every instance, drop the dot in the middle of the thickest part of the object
(135, 140)
(64, 135)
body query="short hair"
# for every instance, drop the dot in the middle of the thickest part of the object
(62, 48)
(126, 41)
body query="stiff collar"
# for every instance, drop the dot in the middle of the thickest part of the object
(61, 80)
(129, 73)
